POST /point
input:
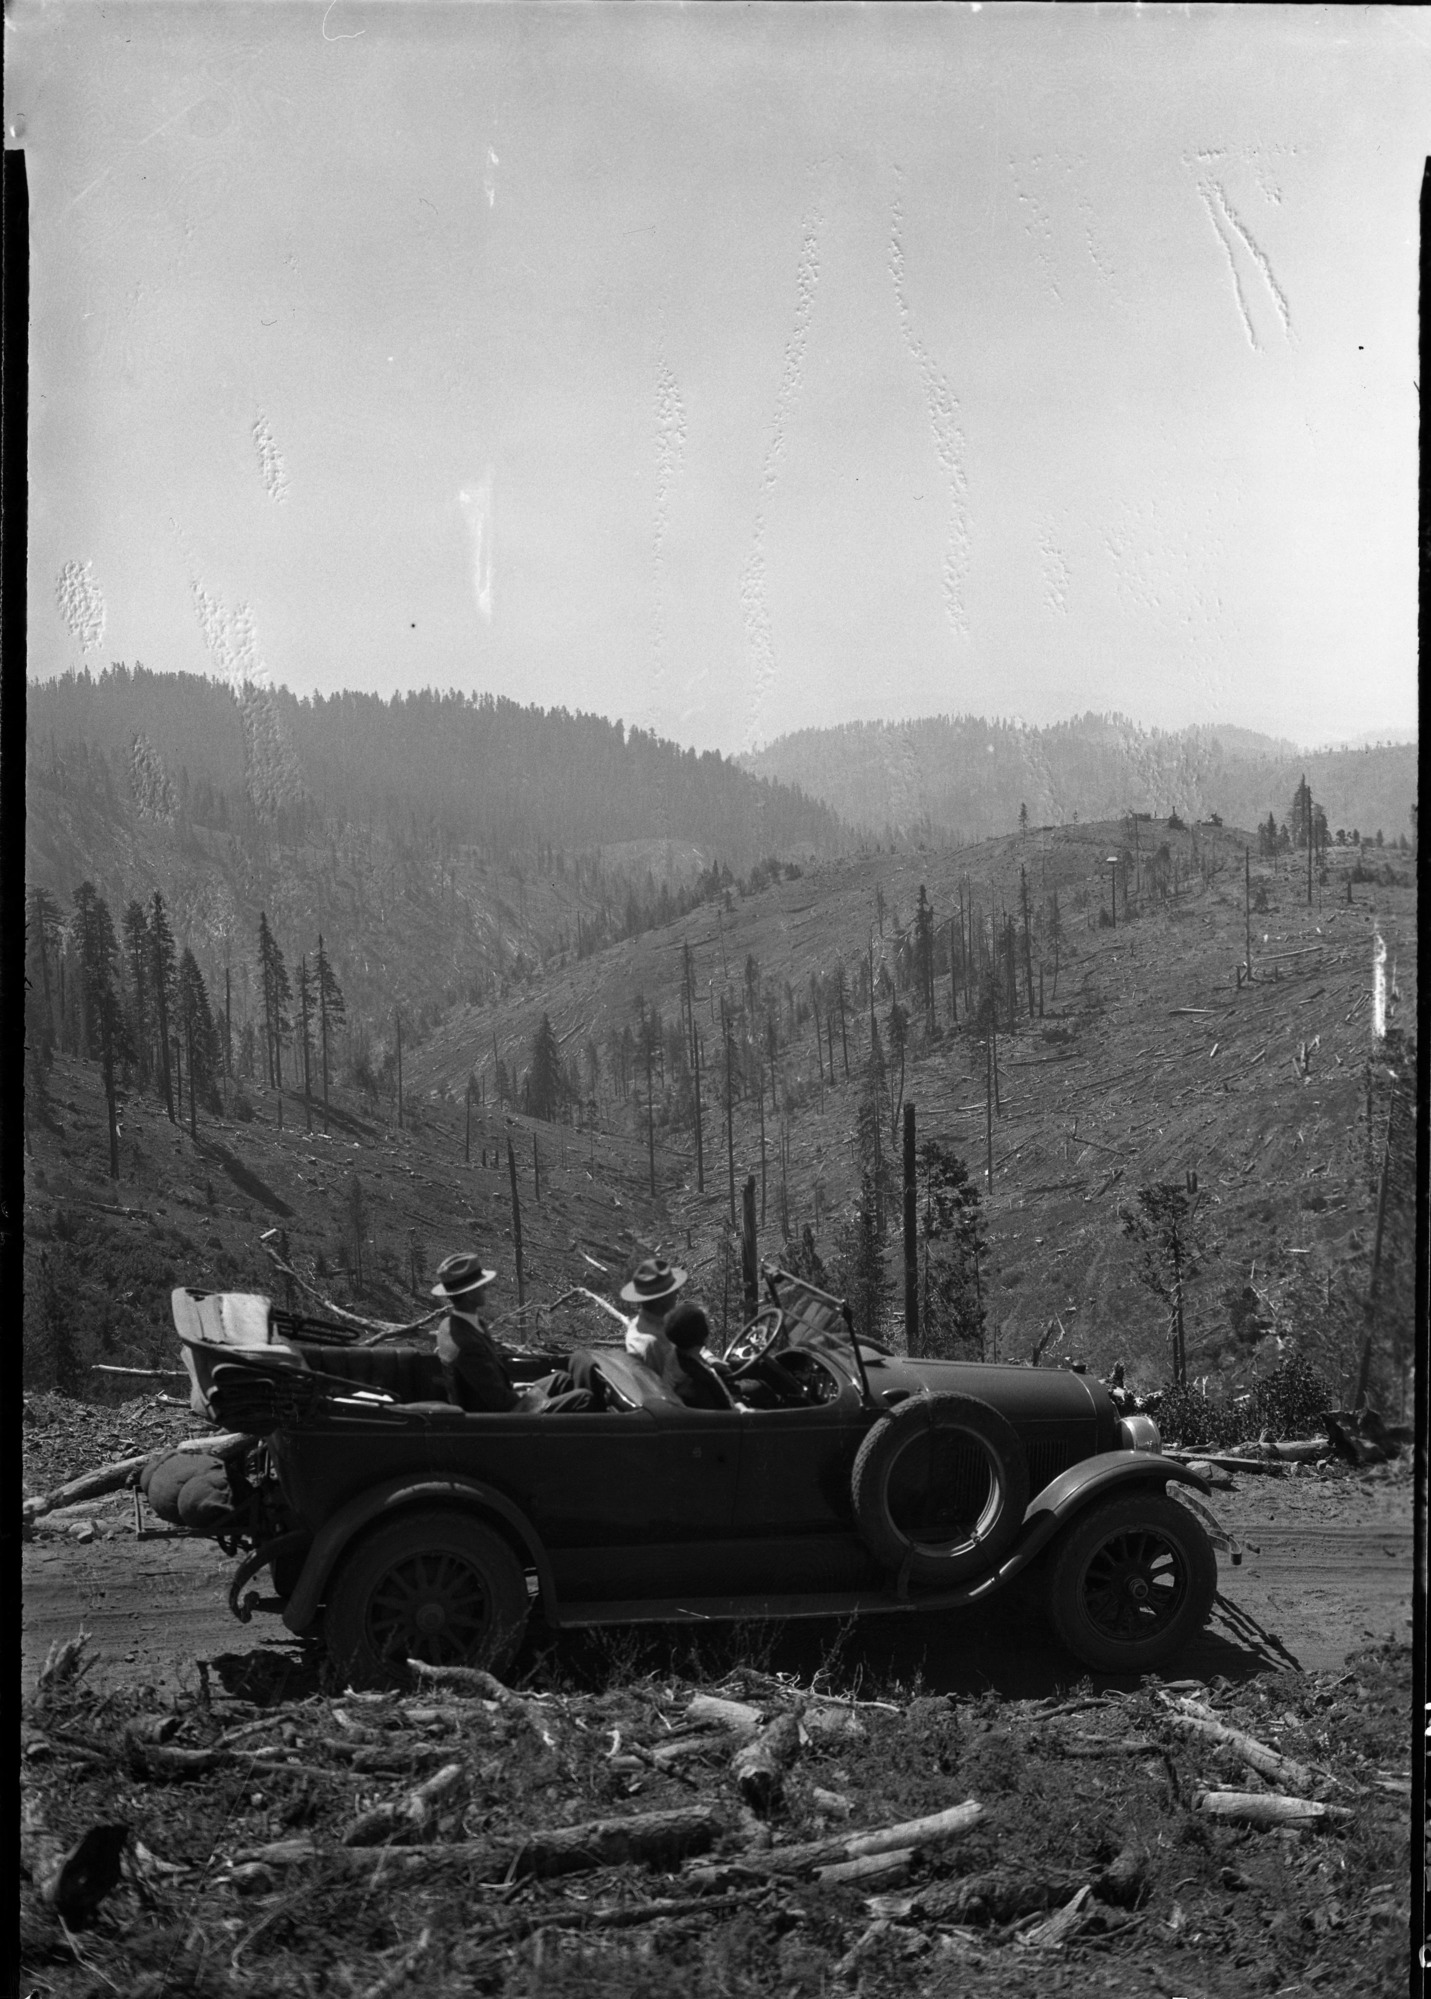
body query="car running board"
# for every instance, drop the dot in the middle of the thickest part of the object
(722, 1609)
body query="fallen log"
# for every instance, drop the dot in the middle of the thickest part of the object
(759, 1766)
(805, 1857)
(659, 1839)
(1192, 1718)
(710, 1710)
(404, 1816)
(669, 1756)
(1111, 1745)
(870, 1870)
(1262, 1808)
(998, 1895)
(486, 1686)
(1302, 1450)
(1054, 1933)
(1228, 1461)
(147, 1373)
(113, 1477)
(619, 1916)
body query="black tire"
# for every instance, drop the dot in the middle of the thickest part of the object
(1132, 1580)
(940, 1488)
(438, 1586)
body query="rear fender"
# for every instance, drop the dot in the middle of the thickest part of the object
(1073, 1490)
(396, 1495)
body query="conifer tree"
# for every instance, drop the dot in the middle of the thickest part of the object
(546, 1085)
(331, 1007)
(105, 1032)
(202, 1053)
(924, 952)
(277, 992)
(162, 974)
(861, 1266)
(307, 997)
(839, 991)
(43, 926)
(898, 1042)
(952, 1243)
(139, 958)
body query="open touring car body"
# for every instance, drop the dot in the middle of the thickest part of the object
(841, 1480)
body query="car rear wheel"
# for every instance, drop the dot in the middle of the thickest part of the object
(435, 1586)
(1132, 1581)
(940, 1488)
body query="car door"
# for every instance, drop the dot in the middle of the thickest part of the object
(796, 1462)
(648, 1474)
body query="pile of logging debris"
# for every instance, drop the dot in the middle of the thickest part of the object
(442, 1834)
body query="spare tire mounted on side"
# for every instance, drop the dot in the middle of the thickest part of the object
(940, 1488)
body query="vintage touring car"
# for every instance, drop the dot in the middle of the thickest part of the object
(842, 1480)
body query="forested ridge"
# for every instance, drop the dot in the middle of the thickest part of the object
(446, 845)
(961, 778)
(477, 767)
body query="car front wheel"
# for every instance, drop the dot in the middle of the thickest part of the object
(1132, 1581)
(436, 1586)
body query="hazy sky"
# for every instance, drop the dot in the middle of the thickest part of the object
(732, 369)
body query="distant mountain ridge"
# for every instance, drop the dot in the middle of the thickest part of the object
(963, 778)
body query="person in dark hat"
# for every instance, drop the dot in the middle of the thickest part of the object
(472, 1364)
(654, 1287)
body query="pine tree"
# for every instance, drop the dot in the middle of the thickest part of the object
(331, 1007)
(839, 991)
(106, 1036)
(356, 1206)
(43, 927)
(924, 953)
(162, 974)
(203, 1054)
(546, 1085)
(139, 959)
(952, 1244)
(898, 1042)
(277, 994)
(860, 1261)
(1165, 1227)
(307, 1000)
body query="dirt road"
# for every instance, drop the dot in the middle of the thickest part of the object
(1327, 1566)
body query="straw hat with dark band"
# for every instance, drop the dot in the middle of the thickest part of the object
(652, 1282)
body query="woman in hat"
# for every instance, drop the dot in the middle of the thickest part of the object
(472, 1364)
(654, 1287)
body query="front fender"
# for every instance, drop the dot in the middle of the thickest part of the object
(1073, 1489)
(395, 1495)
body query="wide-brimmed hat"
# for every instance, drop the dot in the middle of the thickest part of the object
(457, 1275)
(652, 1281)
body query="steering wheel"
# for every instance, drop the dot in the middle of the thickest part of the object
(754, 1342)
(799, 1374)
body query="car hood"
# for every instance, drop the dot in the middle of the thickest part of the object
(1022, 1394)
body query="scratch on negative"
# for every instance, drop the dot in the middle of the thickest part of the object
(1257, 255)
(1231, 265)
(323, 29)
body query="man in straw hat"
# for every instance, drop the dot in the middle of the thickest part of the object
(472, 1364)
(654, 1286)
